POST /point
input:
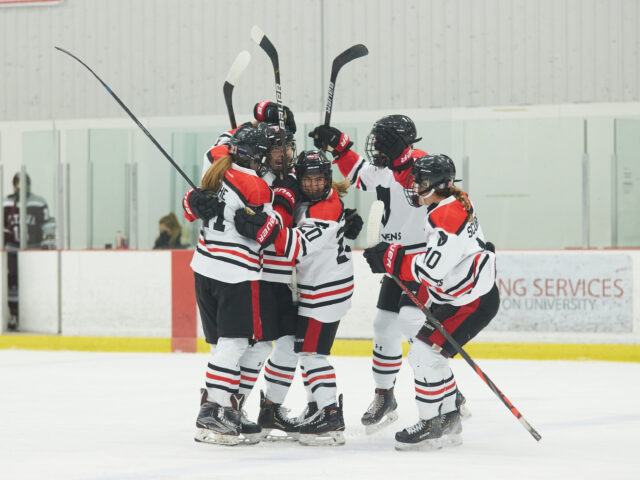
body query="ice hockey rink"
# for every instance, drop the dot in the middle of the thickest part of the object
(103, 416)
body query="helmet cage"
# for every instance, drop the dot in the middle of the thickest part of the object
(313, 162)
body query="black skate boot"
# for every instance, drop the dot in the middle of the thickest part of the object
(461, 405)
(275, 422)
(451, 429)
(309, 411)
(326, 427)
(217, 424)
(381, 412)
(424, 435)
(250, 432)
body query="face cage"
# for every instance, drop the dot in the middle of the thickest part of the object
(374, 156)
(323, 194)
(409, 192)
(290, 162)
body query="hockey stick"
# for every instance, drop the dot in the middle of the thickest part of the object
(261, 39)
(340, 61)
(373, 227)
(133, 117)
(237, 68)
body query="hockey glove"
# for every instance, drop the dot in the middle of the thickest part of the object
(352, 223)
(329, 138)
(286, 192)
(392, 145)
(200, 203)
(385, 258)
(259, 226)
(268, 112)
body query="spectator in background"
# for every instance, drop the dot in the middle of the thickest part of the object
(170, 231)
(38, 222)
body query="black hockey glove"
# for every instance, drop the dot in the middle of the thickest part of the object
(390, 143)
(268, 112)
(200, 203)
(259, 226)
(286, 191)
(352, 223)
(385, 258)
(325, 136)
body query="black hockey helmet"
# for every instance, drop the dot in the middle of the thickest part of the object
(402, 124)
(312, 162)
(272, 132)
(248, 147)
(429, 173)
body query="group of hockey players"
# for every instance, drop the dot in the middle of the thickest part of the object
(274, 276)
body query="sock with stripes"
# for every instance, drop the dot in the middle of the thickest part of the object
(280, 369)
(320, 377)
(223, 370)
(251, 363)
(435, 385)
(307, 388)
(387, 349)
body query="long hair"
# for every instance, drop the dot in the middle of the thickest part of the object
(460, 196)
(171, 221)
(341, 187)
(212, 179)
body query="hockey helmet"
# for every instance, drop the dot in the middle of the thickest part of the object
(248, 147)
(313, 163)
(402, 124)
(429, 174)
(272, 132)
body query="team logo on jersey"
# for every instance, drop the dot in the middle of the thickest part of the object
(442, 239)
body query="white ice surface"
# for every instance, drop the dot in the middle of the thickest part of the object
(72, 415)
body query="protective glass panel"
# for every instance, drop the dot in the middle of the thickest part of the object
(627, 138)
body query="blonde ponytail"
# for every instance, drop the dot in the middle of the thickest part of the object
(213, 177)
(341, 187)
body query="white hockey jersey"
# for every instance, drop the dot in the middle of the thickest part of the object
(324, 265)
(222, 253)
(401, 223)
(456, 267)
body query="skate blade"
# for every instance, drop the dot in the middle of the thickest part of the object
(204, 435)
(423, 446)
(275, 435)
(388, 419)
(250, 438)
(330, 439)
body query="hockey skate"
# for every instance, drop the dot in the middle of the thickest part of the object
(275, 423)
(424, 435)
(250, 432)
(217, 424)
(308, 412)
(461, 406)
(381, 412)
(326, 427)
(451, 429)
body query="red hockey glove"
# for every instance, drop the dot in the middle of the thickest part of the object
(268, 112)
(260, 227)
(385, 258)
(392, 145)
(200, 203)
(286, 192)
(325, 136)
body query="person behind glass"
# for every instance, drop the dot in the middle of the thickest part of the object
(170, 233)
(325, 283)
(227, 268)
(458, 273)
(40, 234)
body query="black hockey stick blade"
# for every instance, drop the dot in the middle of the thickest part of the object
(263, 41)
(238, 67)
(133, 117)
(350, 54)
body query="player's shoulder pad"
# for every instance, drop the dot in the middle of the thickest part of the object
(329, 209)
(451, 217)
(217, 152)
(250, 188)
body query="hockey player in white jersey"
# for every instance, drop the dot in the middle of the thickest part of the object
(457, 270)
(227, 267)
(325, 283)
(391, 153)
